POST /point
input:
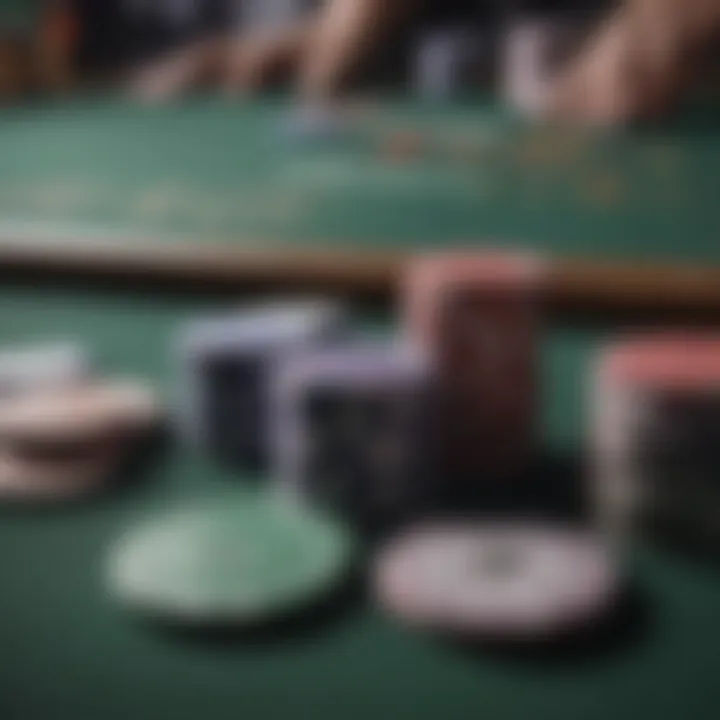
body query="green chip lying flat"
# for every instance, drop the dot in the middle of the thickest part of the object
(241, 558)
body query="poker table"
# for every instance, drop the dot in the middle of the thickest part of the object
(211, 171)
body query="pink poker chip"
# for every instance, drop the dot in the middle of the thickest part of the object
(25, 479)
(83, 413)
(664, 361)
(497, 580)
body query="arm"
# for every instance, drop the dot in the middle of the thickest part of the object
(641, 60)
(255, 56)
(346, 31)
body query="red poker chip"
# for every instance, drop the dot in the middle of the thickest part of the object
(497, 580)
(668, 361)
(431, 276)
(476, 316)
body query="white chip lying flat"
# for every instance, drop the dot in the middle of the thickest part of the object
(80, 413)
(35, 368)
(509, 580)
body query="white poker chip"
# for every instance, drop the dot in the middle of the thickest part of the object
(271, 323)
(498, 580)
(35, 368)
(23, 479)
(80, 413)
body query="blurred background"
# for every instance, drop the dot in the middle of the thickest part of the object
(164, 48)
(407, 123)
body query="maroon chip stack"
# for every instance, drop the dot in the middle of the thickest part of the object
(477, 316)
(656, 435)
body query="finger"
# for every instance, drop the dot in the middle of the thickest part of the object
(346, 31)
(176, 72)
(597, 87)
(258, 58)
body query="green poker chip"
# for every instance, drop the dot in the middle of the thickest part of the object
(243, 558)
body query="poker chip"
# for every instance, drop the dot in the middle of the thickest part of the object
(477, 315)
(39, 480)
(433, 277)
(683, 361)
(655, 432)
(352, 430)
(246, 558)
(35, 368)
(224, 366)
(78, 414)
(497, 580)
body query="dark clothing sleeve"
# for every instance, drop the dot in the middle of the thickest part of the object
(116, 33)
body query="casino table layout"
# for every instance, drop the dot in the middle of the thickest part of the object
(210, 171)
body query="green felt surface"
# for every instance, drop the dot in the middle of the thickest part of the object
(19, 14)
(215, 171)
(66, 651)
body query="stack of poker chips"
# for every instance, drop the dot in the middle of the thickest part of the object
(353, 429)
(227, 367)
(63, 430)
(378, 430)
(407, 435)
(401, 437)
(476, 317)
(656, 437)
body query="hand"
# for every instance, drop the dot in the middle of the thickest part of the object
(177, 72)
(637, 63)
(256, 58)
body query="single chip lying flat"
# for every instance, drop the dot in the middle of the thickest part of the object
(80, 413)
(497, 580)
(49, 481)
(34, 368)
(238, 559)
